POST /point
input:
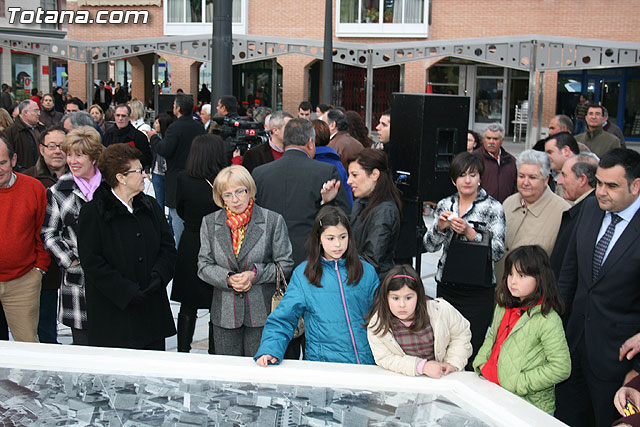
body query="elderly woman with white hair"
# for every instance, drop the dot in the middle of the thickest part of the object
(534, 213)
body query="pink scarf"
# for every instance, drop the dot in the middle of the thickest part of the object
(88, 188)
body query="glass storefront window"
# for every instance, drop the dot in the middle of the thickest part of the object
(489, 100)
(489, 71)
(632, 108)
(449, 74)
(24, 74)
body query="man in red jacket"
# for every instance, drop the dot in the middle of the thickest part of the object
(23, 260)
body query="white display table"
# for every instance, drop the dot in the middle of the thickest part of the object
(52, 383)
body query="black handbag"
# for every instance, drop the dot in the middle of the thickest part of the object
(469, 262)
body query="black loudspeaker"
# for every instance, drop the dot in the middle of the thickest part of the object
(165, 103)
(427, 131)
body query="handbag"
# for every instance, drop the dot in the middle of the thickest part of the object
(281, 287)
(469, 262)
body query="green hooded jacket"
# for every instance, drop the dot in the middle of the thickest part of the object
(533, 359)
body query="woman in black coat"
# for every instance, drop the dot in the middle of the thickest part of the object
(194, 200)
(375, 217)
(128, 257)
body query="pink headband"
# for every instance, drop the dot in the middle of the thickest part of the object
(403, 276)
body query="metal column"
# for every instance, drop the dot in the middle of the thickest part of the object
(221, 67)
(156, 85)
(274, 84)
(540, 105)
(530, 141)
(89, 60)
(327, 55)
(368, 107)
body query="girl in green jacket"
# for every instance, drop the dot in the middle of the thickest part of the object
(526, 350)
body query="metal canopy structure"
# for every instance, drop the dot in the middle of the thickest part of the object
(532, 53)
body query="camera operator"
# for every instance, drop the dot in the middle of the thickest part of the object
(227, 108)
(274, 148)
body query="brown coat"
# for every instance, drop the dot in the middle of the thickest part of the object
(346, 146)
(24, 141)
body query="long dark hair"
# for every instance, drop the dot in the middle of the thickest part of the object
(358, 129)
(531, 261)
(164, 120)
(397, 278)
(370, 159)
(327, 217)
(206, 157)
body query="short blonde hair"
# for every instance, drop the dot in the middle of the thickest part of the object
(137, 109)
(230, 176)
(85, 140)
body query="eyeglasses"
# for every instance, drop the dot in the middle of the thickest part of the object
(52, 147)
(237, 194)
(141, 170)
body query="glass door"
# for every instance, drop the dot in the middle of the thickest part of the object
(489, 98)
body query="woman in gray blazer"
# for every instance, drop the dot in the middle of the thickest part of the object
(240, 246)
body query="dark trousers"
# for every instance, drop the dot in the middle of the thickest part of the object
(295, 348)
(585, 400)
(476, 304)
(242, 341)
(4, 328)
(158, 345)
(80, 336)
(48, 322)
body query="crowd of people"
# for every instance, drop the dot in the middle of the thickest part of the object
(535, 285)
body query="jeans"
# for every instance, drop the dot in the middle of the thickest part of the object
(48, 323)
(177, 224)
(158, 188)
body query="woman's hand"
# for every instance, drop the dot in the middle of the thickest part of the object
(241, 282)
(461, 226)
(329, 190)
(624, 393)
(443, 221)
(266, 360)
(150, 133)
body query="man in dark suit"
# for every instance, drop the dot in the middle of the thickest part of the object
(103, 97)
(578, 179)
(599, 285)
(174, 147)
(292, 185)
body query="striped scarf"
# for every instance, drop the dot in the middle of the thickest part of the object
(238, 225)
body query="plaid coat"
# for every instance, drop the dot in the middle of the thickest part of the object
(58, 233)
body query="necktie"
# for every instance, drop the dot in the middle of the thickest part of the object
(602, 245)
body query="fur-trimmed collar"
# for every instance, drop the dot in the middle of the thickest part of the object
(110, 207)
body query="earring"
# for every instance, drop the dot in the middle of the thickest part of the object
(125, 182)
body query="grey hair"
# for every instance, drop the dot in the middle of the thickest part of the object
(533, 157)
(206, 108)
(277, 119)
(24, 105)
(565, 121)
(494, 127)
(78, 118)
(586, 164)
(297, 132)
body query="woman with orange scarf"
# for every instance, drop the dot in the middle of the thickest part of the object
(240, 246)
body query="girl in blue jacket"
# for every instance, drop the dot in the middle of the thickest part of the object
(333, 290)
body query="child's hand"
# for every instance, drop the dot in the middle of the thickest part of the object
(433, 369)
(443, 221)
(266, 360)
(447, 368)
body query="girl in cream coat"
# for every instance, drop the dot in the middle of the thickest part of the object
(412, 334)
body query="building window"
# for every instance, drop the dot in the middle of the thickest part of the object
(184, 17)
(382, 18)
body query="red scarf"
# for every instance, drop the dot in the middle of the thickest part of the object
(509, 320)
(238, 225)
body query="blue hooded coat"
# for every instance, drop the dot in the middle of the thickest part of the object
(333, 316)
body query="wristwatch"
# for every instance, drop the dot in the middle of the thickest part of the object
(41, 271)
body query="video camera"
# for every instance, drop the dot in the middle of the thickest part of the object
(242, 132)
